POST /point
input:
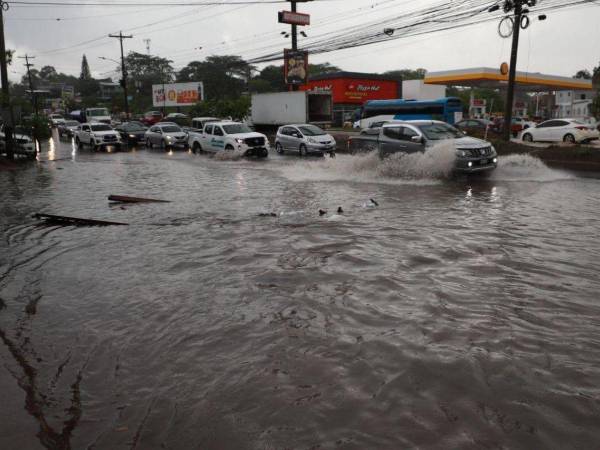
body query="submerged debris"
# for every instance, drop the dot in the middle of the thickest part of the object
(76, 221)
(127, 199)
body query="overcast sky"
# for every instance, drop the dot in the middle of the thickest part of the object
(566, 42)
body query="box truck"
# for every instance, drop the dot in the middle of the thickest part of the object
(284, 108)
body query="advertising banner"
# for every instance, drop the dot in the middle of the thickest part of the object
(177, 94)
(295, 66)
(354, 91)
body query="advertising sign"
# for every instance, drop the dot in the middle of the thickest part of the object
(294, 18)
(355, 91)
(177, 94)
(295, 66)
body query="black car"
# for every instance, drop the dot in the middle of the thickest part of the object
(134, 133)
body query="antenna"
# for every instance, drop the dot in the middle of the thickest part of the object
(147, 42)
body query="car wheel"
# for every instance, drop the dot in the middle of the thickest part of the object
(569, 138)
(229, 147)
(279, 148)
(527, 137)
(303, 151)
(197, 148)
(148, 143)
(264, 153)
(78, 143)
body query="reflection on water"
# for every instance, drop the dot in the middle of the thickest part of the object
(459, 313)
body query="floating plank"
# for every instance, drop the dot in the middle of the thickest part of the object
(127, 199)
(76, 221)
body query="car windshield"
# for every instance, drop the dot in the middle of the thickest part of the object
(71, 123)
(56, 116)
(439, 131)
(135, 127)
(236, 128)
(171, 129)
(97, 112)
(311, 130)
(22, 130)
(100, 127)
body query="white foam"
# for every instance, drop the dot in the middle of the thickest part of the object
(229, 155)
(526, 168)
(400, 168)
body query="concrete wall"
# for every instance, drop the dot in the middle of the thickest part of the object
(417, 90)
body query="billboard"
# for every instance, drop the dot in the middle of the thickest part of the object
(177, 94)
(295, 66)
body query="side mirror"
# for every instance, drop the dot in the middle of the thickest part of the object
(417, 139)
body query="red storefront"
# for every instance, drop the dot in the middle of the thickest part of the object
(351, 89)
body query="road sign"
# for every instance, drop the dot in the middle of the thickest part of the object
(294, 18)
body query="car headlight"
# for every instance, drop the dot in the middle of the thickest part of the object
(169, 138)
(239, 141)
(493, 150)
(312, 141)
(461, 153)
(132, 136)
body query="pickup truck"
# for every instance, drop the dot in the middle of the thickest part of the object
(472, 155)
(98, 136)
(226, 135)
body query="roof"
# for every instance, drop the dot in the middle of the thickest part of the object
(353, 75)
(411, 122)
(486, 77)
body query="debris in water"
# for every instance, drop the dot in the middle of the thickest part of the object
(370, 204)
(127, 199)
(76, 221)
(322, 212)
(340, 210)
(269, 214)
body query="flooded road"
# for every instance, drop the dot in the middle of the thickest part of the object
(456, 314)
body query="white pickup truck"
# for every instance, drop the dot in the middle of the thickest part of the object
(229, 136)
(98, 136)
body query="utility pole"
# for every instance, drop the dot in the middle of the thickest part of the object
(147, 42)
(120, 37)
(518, 20)
(294, 38)
(31, 86)
(6, 113)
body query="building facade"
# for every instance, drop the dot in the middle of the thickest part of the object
(573, 104)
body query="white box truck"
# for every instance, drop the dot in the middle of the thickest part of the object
(284, 108)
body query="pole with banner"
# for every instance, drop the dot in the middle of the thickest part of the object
(294, 18)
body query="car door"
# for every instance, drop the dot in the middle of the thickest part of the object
(86, 134)
(206, 137)
(407, 135)
(295, 139)
(544, 131)
(390, 141)
(284, 138)
(560, 129)
(218, 140)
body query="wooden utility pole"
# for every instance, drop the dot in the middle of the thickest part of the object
(6, 113)
(510, 92)
(120, 37)
(34, 104)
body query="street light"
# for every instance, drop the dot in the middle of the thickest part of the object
(109, 59)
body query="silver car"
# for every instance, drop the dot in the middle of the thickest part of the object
(304, 139)
(166, 135)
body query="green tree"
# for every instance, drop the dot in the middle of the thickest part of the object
(407, 74)
(224, 77)
(85, 70)
(48, 73)
(583, 74)
(273, 75)
(144, 71)
(320, 69)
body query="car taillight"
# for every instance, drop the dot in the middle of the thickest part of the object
(581, 128)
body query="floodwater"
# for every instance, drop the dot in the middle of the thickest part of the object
(457, 314)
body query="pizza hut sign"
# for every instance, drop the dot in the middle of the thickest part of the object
(364, 88)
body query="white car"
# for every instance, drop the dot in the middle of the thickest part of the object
(166, 135)
(560, 130)
(98, 136)
(24, 145)
(304, 139)
(229, 136)
(56, 119)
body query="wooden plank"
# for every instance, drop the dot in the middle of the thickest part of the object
(127, 199)
(76, 221)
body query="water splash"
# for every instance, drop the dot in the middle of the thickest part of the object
(400, 168)
(229, 155)
(526, 168)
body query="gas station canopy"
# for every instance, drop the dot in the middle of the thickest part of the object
(485, 77)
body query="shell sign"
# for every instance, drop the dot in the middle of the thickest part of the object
(177, 94)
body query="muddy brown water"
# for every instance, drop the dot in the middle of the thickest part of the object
(459, 313)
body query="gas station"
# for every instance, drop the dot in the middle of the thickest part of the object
(489, 78)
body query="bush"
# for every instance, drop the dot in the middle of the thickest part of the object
(39, 125)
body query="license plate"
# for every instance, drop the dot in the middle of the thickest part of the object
(483, 162)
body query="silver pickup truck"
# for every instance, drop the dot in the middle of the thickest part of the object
(472, 154)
